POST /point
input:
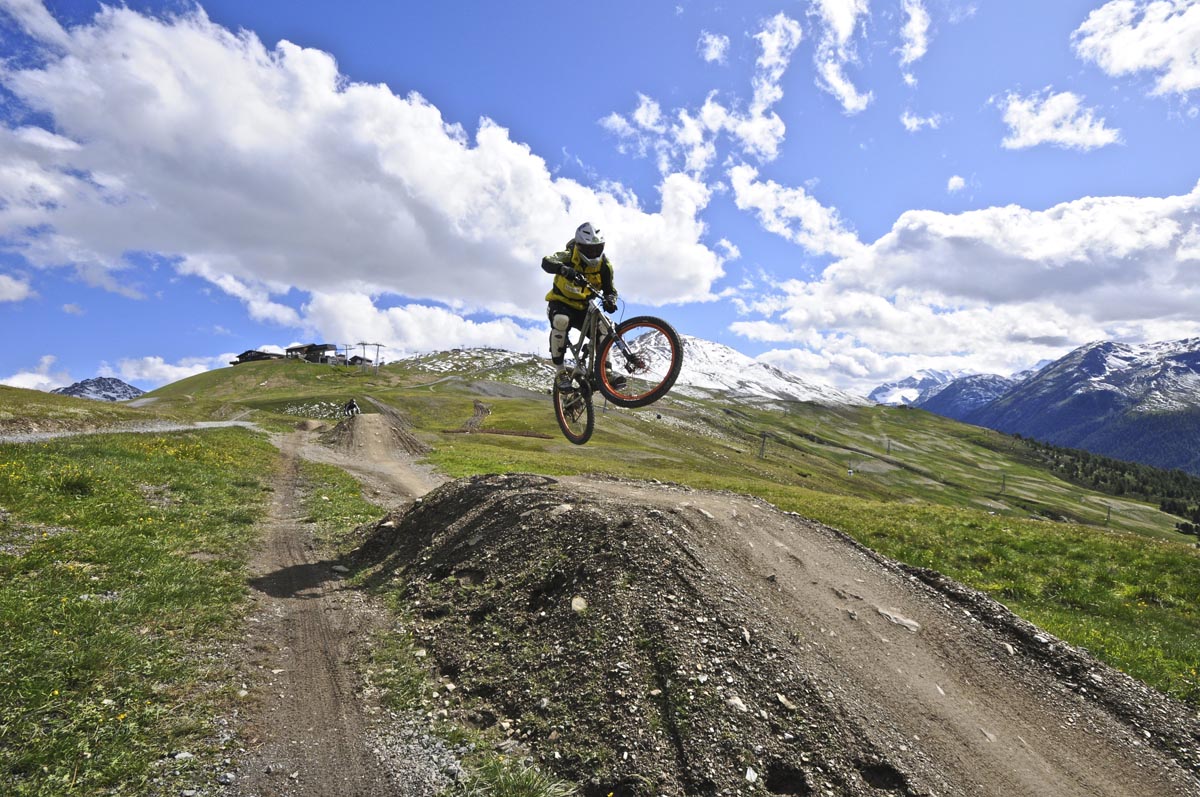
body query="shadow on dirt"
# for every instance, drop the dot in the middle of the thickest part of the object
(301, 581)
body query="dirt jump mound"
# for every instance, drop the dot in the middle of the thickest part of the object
(377, 436)
(647, 640)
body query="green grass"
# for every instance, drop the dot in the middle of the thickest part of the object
(32, 410)
(334, 503)
(121, 566)
(498, 776)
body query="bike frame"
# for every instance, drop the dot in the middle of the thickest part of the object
(597, 325)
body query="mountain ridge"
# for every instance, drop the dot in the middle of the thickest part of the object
(101, 388)
(1136, 402)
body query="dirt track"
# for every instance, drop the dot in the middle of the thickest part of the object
(308, 729)
(784, 658)
(925, 677)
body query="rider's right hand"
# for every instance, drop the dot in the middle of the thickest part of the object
(570, 274)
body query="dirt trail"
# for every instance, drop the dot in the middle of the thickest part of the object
(974, 709)
(308, 730)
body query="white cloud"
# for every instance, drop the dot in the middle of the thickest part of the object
(713, 47)
(34, 18)
(14, 290)
(264, 170)
(955, 184)
(913, 123)
(841, 19)
(1002, 286)
(915, 32)
(1059, 119)
(156, 371)
(793, 214)
(43, 377)
(686, 139)
(729, 248)
(73, 309)
(415, 328)
(1124, 37)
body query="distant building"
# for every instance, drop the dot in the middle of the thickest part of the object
(252, 355)
(314, 353)
(356, 360)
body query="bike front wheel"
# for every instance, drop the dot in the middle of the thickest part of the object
(639, 363)
(574, 412)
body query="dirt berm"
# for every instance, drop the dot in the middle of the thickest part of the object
(653, 640)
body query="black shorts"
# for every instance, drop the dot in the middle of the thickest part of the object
(561, 308)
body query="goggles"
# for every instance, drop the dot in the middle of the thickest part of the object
(590, 251)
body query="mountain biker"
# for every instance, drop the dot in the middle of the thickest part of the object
(582, 262)
(351, 408)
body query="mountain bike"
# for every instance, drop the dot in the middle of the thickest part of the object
(632, 363)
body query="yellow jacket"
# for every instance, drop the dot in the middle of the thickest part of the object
(600, 276)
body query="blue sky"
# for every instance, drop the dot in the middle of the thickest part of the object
(848, 189)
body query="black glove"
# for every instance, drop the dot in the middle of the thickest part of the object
(570, 274)
(610, 302)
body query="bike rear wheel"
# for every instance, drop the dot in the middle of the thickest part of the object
(574, 411)
(643, 360)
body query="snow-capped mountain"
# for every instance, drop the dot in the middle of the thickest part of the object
(961, 397)
(526, 371)
(101, 388)
(1135, 402)
(922, 384)
(713, 367)
(708, 368)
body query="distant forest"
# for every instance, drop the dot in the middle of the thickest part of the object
(1174, 491)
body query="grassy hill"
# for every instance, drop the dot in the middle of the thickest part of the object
(890, 455)
(24, 411)
(1107, 572)
(1104, 572)
(972, 503)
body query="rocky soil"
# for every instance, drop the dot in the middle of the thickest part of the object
(646, 639)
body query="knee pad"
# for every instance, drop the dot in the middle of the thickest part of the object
(559, 325)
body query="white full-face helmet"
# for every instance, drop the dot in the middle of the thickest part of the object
(589, 243)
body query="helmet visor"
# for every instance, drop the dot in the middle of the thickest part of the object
(591, 251)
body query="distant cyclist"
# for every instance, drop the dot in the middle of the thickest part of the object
(582, 260)
(351, 408)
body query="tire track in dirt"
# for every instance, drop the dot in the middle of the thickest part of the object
(307, 730)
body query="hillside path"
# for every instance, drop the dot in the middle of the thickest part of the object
(966, 697)
(308, 729)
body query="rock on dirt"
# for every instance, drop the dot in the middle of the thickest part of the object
(648, 639)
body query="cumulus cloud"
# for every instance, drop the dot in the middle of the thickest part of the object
(42, 377)
(35, 19)
(686, 139)
(1059, 119)
(793, 214)
(841, 20)
(1007, 284)
(155, 371)
(1161, 37)
(955, 184)
(415, 328)
(73, 309)
(264, 170)
(713, 47)
(14, 290)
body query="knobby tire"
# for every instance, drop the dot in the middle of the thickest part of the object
(651, 368)
(574, 412)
